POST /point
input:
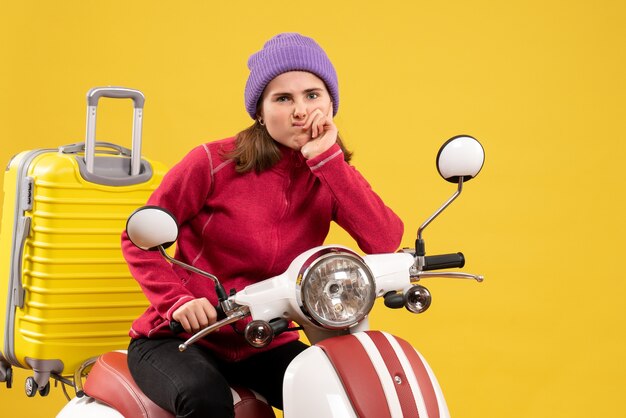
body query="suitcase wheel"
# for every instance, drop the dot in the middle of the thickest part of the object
(32, 388)
(45, 390)
(9, 378)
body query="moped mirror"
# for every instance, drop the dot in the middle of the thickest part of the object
(459, 159)
(151, 227)
(461, 156)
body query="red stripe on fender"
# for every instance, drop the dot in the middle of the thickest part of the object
(423, 378)
(358, 376)
(403, 389)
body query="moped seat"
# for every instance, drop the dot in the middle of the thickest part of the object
(110, 382)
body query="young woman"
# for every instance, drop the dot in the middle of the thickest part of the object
(246, 207)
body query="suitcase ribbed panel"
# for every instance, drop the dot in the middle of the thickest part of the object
(80, 298)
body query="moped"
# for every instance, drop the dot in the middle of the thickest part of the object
(349, 370)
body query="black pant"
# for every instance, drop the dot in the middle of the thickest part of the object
(195, 383)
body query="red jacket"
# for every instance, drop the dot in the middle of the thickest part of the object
(248, 227)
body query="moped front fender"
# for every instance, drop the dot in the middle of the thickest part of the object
(366, 374)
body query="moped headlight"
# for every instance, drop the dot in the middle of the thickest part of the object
(335, 289)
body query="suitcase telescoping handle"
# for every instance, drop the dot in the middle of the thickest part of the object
(93, 96)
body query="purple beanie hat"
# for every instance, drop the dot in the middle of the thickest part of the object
(288, 52)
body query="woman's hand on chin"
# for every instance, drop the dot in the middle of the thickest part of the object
(323, 133)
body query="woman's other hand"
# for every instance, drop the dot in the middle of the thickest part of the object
(195, 315)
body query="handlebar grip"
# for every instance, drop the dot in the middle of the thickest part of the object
(220, 312)
(443, 261)
(177, 328)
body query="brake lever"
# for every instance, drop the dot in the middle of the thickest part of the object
(232, 318)
(417, 276)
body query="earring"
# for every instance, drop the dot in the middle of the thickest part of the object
(260, 120)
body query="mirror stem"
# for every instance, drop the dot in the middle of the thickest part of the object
(219, 289)
(420, 248)
(420, 230)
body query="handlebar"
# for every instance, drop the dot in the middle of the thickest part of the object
(443, 261)
(424, 264)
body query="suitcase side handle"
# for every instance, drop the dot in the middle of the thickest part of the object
(93, 95)
(17, 287)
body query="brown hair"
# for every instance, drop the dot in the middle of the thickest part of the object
(256, 150)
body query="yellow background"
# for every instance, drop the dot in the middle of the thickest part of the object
(540, 83)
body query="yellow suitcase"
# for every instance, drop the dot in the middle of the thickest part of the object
(70, 294)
